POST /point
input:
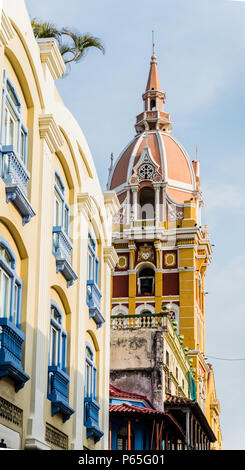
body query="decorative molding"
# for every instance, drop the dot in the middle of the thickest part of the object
(49, 131)
(85, 205)
(119, 309)
(110, 256)
(6, 30)
(111, 202)
(145, 306)
(122, 262)
(50, 55)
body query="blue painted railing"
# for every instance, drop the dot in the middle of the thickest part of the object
(58, 382)
(11, 341)
(16, 177)
(91, 418)
(62, 248)
(94, 303)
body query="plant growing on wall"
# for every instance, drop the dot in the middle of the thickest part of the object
(73, 46)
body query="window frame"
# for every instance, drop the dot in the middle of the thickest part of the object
(95, 265)
(9, 94)
(61, 338)
(8, 268)
(59, 195)
(90, 386)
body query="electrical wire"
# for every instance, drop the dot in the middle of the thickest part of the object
(224, 359)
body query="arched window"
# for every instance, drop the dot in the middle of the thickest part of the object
(58, 380)
(146, 279)
(147, 204)
(61, 208)
(10, 285)
(13, 131)
(122, 439)
(57, 339)
(11, 337)
(90, 389)
(153, 104)
(91, 406)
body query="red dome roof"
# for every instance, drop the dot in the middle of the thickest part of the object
(172, 161)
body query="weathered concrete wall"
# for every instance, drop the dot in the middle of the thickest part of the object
(137, 363)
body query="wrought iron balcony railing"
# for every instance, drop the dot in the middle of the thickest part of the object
(94, 303)
(62, 248)
(91, 418)
(16, 177)
(11, 341)
(58, 382)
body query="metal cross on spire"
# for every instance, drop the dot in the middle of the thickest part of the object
(153, 44)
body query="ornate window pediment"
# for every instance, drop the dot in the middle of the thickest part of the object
(146, 168)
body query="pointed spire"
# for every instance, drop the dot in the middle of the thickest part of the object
(153, 82)
(153, 116)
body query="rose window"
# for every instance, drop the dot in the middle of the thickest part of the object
(146, 171)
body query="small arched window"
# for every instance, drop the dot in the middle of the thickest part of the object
(153, 105)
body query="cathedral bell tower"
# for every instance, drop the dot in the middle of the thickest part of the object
(163, 248)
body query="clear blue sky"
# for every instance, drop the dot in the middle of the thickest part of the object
(200, 45)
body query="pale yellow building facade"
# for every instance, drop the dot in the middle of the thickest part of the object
(55, 255)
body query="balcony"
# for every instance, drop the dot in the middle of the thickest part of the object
(91, 419)
(11, 340)
(58, 382)
(16, 177)
(93, 302)
(122, 322)
(62, 248)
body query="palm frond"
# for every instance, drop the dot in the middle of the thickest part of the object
(82, 43)
(76, 47)
(45, 30)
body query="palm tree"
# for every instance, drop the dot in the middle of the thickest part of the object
(80, 45)
(45, 30)
(77, 45)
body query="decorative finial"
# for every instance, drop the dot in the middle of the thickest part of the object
(196, 153)
(110, 170)
(146, 139)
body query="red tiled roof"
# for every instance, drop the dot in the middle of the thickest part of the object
(133, 409)
(178, 401)
(118, 392)
(124, 407)
(175, 402)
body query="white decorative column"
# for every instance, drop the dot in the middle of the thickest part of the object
(135, 205)
(85, 213)
(128, 207)
(51, 141)
(110, 261)
(164, 188)
(157, 202)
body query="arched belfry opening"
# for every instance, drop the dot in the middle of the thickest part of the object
(147, 204)
(146, 281)
(153, 105)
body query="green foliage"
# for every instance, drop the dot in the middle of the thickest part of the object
(74, 47)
